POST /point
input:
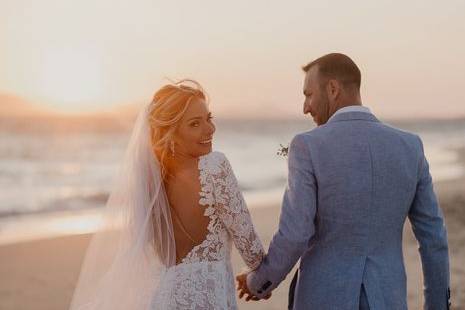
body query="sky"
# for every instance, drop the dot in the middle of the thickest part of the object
(92, 54)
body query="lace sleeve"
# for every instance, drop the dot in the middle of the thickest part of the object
(234, 214)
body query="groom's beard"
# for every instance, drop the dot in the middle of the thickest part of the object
(325, 115)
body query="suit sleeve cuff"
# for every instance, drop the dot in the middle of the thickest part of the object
(258, 285)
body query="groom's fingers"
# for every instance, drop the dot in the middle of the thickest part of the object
(240, 277)
(240, 287)
(240, 280)
(243, 289)
(241, 294)
(251, 297)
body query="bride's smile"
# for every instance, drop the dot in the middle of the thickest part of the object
(194, 135)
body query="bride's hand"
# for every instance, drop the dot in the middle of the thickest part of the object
(244, 290)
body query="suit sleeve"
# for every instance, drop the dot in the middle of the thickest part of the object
(429, 228)
(296, 224)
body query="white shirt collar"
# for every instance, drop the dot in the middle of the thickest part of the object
(352, 108)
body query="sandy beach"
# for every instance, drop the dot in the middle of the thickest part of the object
(41, 275)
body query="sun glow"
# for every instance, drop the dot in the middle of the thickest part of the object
(71, 76)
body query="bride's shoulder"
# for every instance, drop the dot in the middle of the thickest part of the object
(214, 162)
(214, 156)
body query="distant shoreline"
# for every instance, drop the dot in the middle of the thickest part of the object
(55, 224)
(28, 226)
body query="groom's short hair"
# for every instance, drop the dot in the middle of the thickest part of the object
(339, 67)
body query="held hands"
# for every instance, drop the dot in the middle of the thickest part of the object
(244, 290)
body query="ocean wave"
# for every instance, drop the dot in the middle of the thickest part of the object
(77, 202)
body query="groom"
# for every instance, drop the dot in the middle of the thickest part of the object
(352, 183)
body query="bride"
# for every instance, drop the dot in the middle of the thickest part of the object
(166, 235)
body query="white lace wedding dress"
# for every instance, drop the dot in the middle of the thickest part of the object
(204, 279)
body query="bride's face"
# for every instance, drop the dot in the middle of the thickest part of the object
(194, 134)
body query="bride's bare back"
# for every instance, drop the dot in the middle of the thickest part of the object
(189, 222)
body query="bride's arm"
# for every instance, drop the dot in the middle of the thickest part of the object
(234, 214)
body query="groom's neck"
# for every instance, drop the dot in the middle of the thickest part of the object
(349, 105)
(349, 100)
(345, 102)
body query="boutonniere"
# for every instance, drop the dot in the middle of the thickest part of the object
(283, 150)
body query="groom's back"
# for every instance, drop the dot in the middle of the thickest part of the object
(367, 174)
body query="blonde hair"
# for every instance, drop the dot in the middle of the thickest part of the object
(168, 106)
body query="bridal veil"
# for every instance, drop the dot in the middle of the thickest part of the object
(134, 244)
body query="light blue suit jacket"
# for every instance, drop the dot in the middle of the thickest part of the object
(352, 183)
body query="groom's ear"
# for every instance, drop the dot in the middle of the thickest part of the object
(333, 88)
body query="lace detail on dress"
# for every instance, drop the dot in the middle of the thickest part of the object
(228, 213)
(216, 242)
(233, 212)
(204, 278)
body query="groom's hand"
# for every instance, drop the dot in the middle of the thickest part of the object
(244, 290)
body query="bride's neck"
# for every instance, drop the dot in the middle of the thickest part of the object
(184, 162)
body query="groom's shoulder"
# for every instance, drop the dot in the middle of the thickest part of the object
(304, 139)
(404, 134)
(315, 133)
(321, 134)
